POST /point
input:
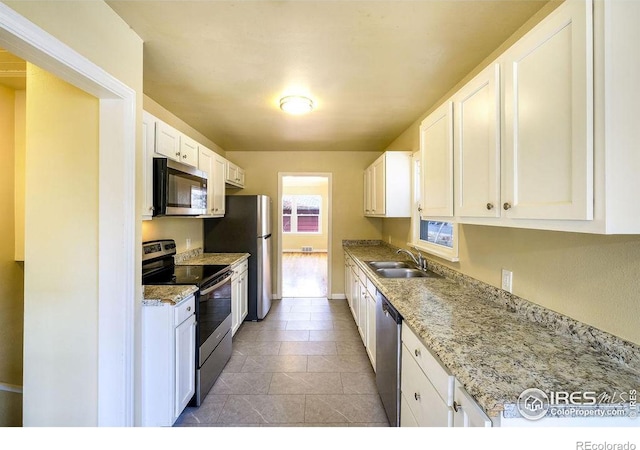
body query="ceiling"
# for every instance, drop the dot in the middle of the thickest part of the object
(371, 67)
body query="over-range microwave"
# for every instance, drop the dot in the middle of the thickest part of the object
(178, 189)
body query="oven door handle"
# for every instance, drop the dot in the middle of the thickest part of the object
(217, 285)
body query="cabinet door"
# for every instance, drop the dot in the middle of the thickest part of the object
(467, 413)
(436, 147)
(218, 195)
(167, 141)
(368, 192)
(379, 186)
(188, 151)
(355, 293)
(185, 348)
(232, 173)
(205, 163)
(477, 145)
(244, 296)
(371, 330)
(347, 280)
(362, 312)
(148, 144)
(240, 177)
(235, 303)
(548, 145)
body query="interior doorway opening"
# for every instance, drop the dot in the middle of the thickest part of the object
(304, 235)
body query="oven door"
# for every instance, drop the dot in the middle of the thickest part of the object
(213, 315)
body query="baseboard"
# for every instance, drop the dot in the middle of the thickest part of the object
(299, 250)
(338, 297)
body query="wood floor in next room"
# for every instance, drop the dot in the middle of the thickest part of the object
(303, 365)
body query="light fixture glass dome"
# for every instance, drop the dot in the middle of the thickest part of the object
(296, 104)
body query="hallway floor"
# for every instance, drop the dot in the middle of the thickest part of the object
(304, 274)
(303, 365)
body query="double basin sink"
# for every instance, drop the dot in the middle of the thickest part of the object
(399, 269)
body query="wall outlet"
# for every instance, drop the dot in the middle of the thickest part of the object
(507, 280)
(188, 243)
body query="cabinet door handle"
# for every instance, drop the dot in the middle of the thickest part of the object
(416, 396)
(417, 352)
(188, 308)
(489, 206)
(419, 208)
(507, 206)
(457, 406)
(178, 154)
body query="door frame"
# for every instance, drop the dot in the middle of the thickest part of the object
(329, 177)
(116, 207)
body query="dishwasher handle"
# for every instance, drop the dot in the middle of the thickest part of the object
(389, 310)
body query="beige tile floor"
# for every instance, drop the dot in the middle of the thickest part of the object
(304, 365)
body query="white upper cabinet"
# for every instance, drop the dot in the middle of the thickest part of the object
(167, 141)
(234, 175)
(188, 151)
(436, 148)
(387, 185)
(477, 145)
(209, 162)
(148, 141)
(174, 145)
(548, 116)
(560, 151)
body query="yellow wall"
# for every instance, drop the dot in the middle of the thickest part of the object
(60, 359)
(11, 272)
(178, 228)
(591, 278)
(61, 253)
(347, 191)
(319, 241)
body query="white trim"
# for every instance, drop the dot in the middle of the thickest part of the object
(329, 177)
(6, 387)
(116, 290)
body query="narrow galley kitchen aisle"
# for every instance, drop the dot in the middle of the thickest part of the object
(303, 365)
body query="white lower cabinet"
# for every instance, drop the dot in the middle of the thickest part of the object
(426, 386)
(168, 361)
(467, 413)
(239, 295)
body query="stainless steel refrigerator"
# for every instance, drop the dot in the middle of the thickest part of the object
(246, 227)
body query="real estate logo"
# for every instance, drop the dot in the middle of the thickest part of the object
(533, 404)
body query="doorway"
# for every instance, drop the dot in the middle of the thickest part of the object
(304, 208)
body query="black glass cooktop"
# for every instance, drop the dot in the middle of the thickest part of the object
(184, 274)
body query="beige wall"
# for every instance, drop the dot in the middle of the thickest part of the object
(347, 193)
(319, 241)
(60, 374)
(11, 272)
(591, 278)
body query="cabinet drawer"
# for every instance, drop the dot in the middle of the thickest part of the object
(441, 379)
(184, 309)
(241, 267)
(428, 408)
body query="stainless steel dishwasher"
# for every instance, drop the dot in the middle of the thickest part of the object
(388, 329)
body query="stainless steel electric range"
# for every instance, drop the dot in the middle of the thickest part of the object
(213, 307)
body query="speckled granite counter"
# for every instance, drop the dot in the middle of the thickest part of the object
(498, 345)
(158, 295)
(196, 257)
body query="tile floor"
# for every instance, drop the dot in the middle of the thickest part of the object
(304, 365)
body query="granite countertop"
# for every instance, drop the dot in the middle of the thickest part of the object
(493, 348)
(159, 295)
(196, 257)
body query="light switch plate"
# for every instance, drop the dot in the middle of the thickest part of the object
(507, 280)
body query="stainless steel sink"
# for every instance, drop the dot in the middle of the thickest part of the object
(389, 264)
(401, 272)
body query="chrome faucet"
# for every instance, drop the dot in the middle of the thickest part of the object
(420, 261)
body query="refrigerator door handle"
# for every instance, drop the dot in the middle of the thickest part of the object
(267, 236)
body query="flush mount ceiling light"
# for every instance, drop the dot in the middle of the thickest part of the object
(296, 104)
